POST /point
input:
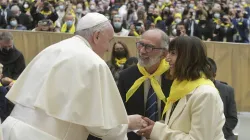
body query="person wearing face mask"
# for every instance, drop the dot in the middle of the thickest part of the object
(61, 13)
(79, 11)
(117, 25)
(26, 7)
(69, 24)
(13, 23)
(92, 6)
(172, 27)
(204, 28)
(119, 56)
(216, 18)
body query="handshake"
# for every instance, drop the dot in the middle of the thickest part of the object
(142, 125)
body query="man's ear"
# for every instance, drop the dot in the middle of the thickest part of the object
(96, 36)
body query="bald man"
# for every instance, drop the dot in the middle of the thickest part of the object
(67, 91)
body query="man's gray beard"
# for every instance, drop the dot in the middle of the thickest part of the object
(151, 62)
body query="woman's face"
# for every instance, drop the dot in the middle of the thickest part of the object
(118, 47)
(171, 59)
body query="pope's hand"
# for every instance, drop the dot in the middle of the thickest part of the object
(136, 122)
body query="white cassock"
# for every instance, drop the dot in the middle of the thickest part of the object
(65, 93)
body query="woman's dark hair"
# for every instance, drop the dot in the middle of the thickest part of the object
(191, 58)
(113, 51)
(130, 62)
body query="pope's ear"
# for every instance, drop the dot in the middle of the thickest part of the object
(96, 36)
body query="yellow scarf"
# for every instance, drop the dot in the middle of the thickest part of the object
(121, 61)
(45, 13)
(27, 9)
(157, 19)
(180, 89)
(71, 30)
(216, 20)
(156, 86)
(1, 85)
(136, 34)
(225, 25)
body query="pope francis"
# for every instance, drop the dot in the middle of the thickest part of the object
(67, 91)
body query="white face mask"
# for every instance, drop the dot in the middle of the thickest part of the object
(79, 10)
(177, 20)
(217, 15)
(61, 7)
(25, 5)
(171, 9)
(92, 7)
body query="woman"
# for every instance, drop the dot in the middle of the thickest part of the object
(194, 109)
(119, 56)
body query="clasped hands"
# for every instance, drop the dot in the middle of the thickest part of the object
(143, 124)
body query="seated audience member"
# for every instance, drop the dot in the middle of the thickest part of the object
(45, 25)
(118, 28)
(69, 22)
(119, 56)
(227, 96)
(13, 23)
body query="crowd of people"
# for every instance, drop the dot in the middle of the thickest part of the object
(220, 20)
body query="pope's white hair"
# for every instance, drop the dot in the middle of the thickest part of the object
(87, 33)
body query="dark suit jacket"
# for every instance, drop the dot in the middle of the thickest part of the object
(135, 105)
(3, 102)
(228, 34)
(230, 112)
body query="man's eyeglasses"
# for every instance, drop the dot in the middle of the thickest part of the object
(148, 47)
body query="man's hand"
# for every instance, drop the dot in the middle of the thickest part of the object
(136, 122)
(146, 131)
(11, 84)
(6, 80)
